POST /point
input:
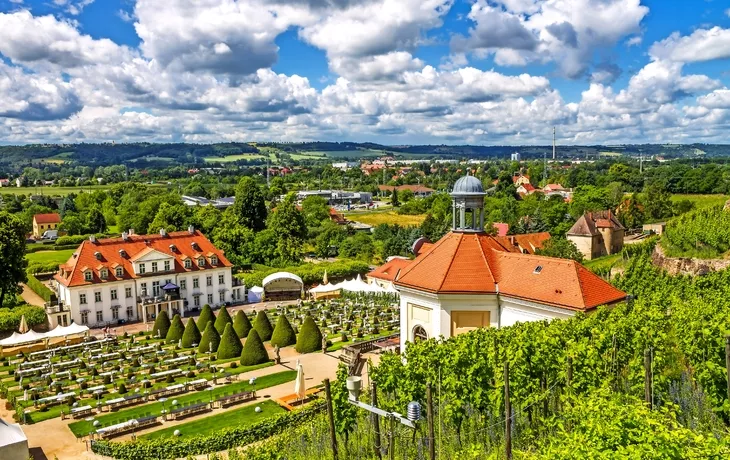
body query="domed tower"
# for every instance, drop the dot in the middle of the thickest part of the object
(468, 194)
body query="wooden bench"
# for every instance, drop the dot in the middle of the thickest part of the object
(285, 401)
(236, 398)
(187, 411)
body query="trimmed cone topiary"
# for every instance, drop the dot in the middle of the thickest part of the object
(263, 326)
(205, 315)
(191, 334)
(254, 351)
(162, 325)
(241, 324)
(230, 346)
(176, 331)
(310, 338)
(283, 335)
(210, 337)
(222, 319)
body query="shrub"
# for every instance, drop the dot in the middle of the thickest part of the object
(146, 384)
(283, 335)
(191, 334)
(122, 388)
(310, 338)
(84, 385)
(210, 339)
(140, 333)
(39, 288)
(107, 379)
(222, 319)
(263, 326)
(190, 374)
(205, 315)
(176, 331)
(253, 350)
(343, 337)
(241, 324)
(10, 318)
(162, 325)
(230, 346)
(169, 379)
(233, 365)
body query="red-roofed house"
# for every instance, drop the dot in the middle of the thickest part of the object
(384, 275)
(135, 277)
(45, 222)
(525, 189)
(469, 279)
(520, 179)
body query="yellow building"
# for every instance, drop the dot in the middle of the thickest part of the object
(45, 222)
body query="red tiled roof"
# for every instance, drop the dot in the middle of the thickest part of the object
(72, 272)
(553, 187)
(475, 263)
(389, 270)
(51, 218)
(529, 242)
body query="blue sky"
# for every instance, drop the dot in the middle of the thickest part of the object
(389, 71)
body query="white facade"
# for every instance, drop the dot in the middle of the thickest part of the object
(142, 298)
(438, 314)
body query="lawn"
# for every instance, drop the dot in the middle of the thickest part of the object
(243, 416)
(50, 256)
(359, 153)
(232, 158)
(375, 218)
(83, 427)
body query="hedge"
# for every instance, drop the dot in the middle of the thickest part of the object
(205, 315)
(191, 334)
(162, 325)
(222, 319)
(230, 346)
(210, 337)
(310, 338)
(254, 351)
(10, 317)
(184, 447)
(310, 273)
(42, 267)
(241, 324)
(263, 326)
(39, 288)
(176, 330)
(283, 335)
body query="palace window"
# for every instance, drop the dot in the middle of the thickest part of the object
(210, 298)
(196, 301)
(167, 265)
(119, 272)
(208, 280)
(104, 273)
(221, 279)
(196, 283)
(114, 294)
(82, 299)
(214, 260)
(188, 263)
(128, 292)
(97, 297)
(222, 296)
(84, 317)
(201, 262)
(130, 312)
(99, 316)
(87, 275)
(142, 269)
(115, 313)
(154, 267)
(183, 285)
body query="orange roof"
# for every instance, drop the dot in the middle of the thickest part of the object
(529, 242)
(389, 270)
(71, 273)
(51, 218)
(476, 263)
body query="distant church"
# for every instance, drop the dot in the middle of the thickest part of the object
(467, 280)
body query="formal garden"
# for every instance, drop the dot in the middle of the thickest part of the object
(119, 385)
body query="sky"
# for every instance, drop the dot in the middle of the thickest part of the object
(490, 72)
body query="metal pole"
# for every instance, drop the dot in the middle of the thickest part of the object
(429, 414)
(647, 378)
(507, 415)
(331, 417)
(391, 435)
(727, 363)
(376, 419)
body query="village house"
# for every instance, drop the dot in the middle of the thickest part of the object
(135, 277)
(45, 222)
(597, 234)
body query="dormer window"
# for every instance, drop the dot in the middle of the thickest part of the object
(88, 275)
(119, 272)
(154, 267)
(188, 263)
(167, 265)
(201, 262)
(142, 269)
(214, 260)
(104, 273)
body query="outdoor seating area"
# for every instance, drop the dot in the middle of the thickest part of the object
(236, 398)
(187, 411)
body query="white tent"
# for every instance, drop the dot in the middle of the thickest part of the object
(13, 442)
(17, 339)
(255, 293)
(61, 331)
(358, 285)
(324, 288)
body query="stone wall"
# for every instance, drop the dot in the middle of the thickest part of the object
(686, 265)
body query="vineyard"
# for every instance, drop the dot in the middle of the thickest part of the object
(579, 388)
(704, 233)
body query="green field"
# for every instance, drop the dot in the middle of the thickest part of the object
(50, 191)
(50, 256)
(375, 218)
(702, 201)
(246, 415)
(347, 153)
(232, 158)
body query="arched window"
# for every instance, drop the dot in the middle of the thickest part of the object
(419, 333)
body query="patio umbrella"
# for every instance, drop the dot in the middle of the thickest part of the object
(299, 389)
(324, 278)
(23, 328)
